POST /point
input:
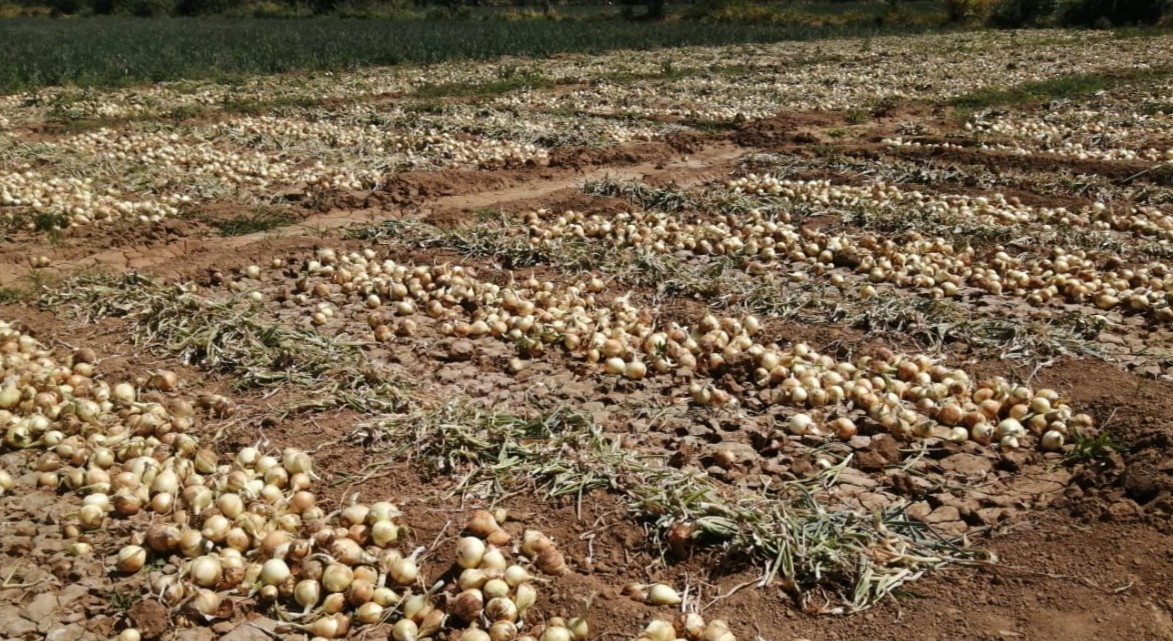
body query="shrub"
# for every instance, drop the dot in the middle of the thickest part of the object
(1013, 14)
(202, 7)
(144, 8)
(515, 15)
(740, 12)
(65, 7)
(268, 9)
(968, 11)
(1095, 13)
(898, 15)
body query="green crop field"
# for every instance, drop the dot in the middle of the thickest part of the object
(89, 52)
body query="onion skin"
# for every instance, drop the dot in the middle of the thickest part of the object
(274, 572)
(469, 552)
(552, 562)
(467, 606)
(131, 559)
(660, 594)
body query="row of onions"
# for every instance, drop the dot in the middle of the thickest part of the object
(26, 193)
(1123, 125)
(414, 147)
(182, 159)
(248, 157)
(251, 525)
(1071, 149)
(910, 396)
(769, 243)
(994, 208)
(832, 77)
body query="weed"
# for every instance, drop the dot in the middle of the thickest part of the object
(511, 251)
(255, 107)
(668, 198)
(854, 559)
(50, 221)
(232, 336)
(12, 295)
(38, 281)
(883, 106)
(714, 126)
(1162, 175)
(488, 215)
(184, 112)
(1066, 87)
(1153, 108)
(668, 69)
(255, 222)
(402, 230)
(826, 151)
(432, 106)
(521, 81)
(1090, 448)
(120, 600)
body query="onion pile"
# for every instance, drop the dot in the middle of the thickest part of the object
(910, 396)
(422, 147)
(688, 626)
(251, 525)
(832, 76)
(150, 173)
(994, 208)
(767, 243)
(188, 169)
(1112, 126)
(178, 158)
(193, 170)
(76, 201)
(934, 265)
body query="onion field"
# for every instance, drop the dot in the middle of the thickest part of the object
(855, 338)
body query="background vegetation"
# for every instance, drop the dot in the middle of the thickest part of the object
(810, 10)
(91, 43)
(1076, 13)
(110, 51)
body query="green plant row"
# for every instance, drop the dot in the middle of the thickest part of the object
(116, 51)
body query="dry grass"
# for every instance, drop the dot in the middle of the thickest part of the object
(231, 336)
(828, 560)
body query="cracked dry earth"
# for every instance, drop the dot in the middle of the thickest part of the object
(1075, 541)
